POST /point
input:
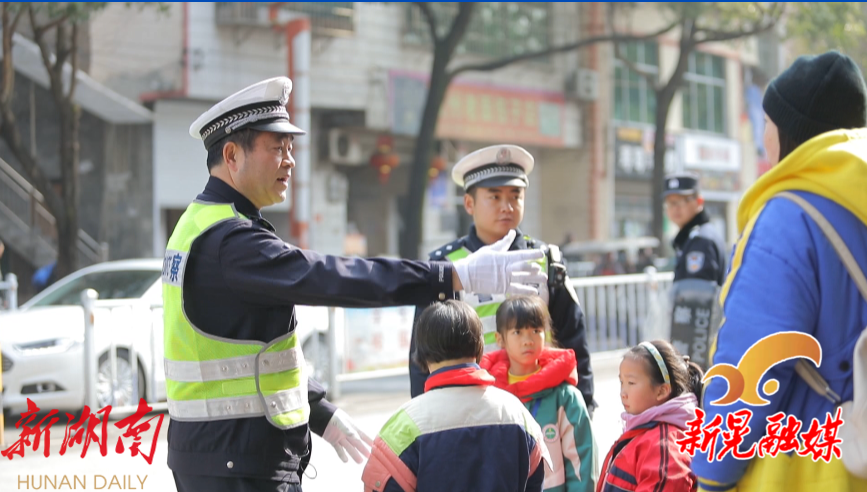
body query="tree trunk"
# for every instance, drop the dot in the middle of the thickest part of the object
(413, 211)
(664, 97)
(67, 219)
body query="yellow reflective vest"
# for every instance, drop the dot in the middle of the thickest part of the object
(213, 378)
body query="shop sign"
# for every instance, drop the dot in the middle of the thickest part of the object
(479, 112)
(633, 153)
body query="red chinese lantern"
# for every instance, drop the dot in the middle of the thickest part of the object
(437, 165)
(385, 159)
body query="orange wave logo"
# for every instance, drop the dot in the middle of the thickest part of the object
(744, 379)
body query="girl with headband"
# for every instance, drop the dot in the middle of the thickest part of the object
(659, 390)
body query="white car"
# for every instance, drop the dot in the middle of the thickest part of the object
(42, 343)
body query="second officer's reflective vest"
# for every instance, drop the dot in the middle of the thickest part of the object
(486, 305)
(213, 378)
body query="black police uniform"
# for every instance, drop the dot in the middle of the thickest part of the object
(700, 251)
(566, 316)
(242, 283)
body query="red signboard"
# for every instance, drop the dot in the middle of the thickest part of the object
(480, 112)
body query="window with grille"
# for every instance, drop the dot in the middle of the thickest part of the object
(704, 93)
(326, 18)
(497, 29)
(634, 98)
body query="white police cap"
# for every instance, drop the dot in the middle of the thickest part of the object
(261, 106)
(498, 165)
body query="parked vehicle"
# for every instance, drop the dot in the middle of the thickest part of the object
(43, 341)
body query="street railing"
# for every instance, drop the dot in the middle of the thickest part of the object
(9, 293)
(620, 311)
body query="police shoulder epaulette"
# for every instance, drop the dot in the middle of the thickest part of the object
(694, 232)
(533, 243)
(442, 252)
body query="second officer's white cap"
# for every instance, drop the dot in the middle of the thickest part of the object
(497, 165)
(261, 106)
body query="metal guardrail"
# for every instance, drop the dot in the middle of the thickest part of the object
(122, 343)
(620, 311)
(25, 208)
(9, 293)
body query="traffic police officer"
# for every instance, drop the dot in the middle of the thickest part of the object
(494, 179)
(239, 398)
(699, 245)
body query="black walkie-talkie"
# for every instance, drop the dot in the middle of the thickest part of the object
(556, 267)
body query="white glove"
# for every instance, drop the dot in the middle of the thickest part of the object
(346, 437)
(494, 269)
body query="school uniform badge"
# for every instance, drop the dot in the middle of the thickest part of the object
(694, 261)
(550, 432)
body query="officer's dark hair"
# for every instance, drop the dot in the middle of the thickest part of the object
(245, 138)
(472, 191)
(448, 330)
(520, 312)
(685, 375)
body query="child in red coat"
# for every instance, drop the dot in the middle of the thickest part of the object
(659, 390)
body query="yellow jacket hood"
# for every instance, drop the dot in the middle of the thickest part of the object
(832, 165)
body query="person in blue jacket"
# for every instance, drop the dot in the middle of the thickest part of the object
(785, 275)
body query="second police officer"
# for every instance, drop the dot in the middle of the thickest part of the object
(494, 180)
(700, 249)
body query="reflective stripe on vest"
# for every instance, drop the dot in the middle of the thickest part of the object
(213, 378)
(486, 305)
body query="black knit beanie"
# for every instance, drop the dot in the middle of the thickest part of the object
(817, 94)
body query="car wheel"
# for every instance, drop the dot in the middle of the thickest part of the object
(318, 358)
(123, 394)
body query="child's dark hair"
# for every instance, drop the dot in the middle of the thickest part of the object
(685, 375)
(448, 330)
(522, 312)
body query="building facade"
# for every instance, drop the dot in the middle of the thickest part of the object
(581, 113)
(368, 66)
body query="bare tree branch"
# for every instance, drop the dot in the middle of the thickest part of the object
(494, 65)
(459, 26)
(45, 52)
(715, 35)
(49, 25)
(61, 52)
(429, 19)
(688, 30)
(8, 81)
(73, 76)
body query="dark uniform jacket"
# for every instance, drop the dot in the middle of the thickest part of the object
(701, 251)
(566, 316)
(243, 282)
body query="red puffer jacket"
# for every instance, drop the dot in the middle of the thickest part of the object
(647, 459)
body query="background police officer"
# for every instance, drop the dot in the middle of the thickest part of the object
(240, 402)
(699, 245)
(494, 180)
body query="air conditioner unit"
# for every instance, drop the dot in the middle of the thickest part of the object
(344, 148)
(583, 85)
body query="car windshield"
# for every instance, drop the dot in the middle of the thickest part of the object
(119, 284)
